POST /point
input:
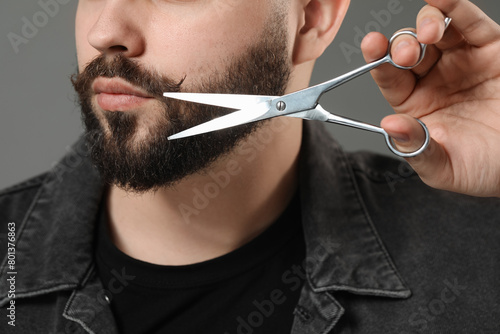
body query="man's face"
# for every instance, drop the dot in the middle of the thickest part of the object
(129, 52)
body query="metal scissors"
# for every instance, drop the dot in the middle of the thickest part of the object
(302, 104)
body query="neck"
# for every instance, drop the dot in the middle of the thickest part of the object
(211, 214)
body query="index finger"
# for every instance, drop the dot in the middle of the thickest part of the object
(477, 27)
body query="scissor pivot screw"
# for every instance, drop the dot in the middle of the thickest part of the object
(281, 106)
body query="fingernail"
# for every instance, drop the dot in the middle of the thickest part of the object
(401, 138)
(401, 45)
(425, 22)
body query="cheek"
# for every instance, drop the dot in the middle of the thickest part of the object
(205, 43)
(84, 51)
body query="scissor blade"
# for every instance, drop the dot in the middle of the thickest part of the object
(233, 101)
(316, 114)
(238, 117)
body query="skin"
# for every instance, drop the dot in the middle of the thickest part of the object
(184, 38)
(457, 96)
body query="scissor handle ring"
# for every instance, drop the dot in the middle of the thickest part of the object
(423, 47)
(392, 147)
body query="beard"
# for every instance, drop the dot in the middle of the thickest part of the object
(138, 157)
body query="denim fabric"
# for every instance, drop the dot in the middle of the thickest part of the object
(385, 253)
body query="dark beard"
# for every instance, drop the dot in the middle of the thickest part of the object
(154, 161)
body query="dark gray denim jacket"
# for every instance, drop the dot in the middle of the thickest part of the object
(385, 253)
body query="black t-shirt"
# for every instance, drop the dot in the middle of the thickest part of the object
(251, 290)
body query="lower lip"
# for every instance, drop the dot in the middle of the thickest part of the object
(120, 102)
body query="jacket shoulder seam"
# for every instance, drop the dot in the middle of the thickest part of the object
(33, 182)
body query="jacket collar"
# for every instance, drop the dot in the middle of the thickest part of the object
(54, 246)
(344, 250)
(55, 240)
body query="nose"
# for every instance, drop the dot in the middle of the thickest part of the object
(117, 31)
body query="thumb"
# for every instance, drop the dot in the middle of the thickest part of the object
(408, 136)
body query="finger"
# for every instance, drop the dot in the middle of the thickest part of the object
(477, 28)
(431, 29)
(406, 51)
(430, 25)
(395, 84)
(409, 136)
(432, 55)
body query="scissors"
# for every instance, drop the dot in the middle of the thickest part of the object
(301, 104)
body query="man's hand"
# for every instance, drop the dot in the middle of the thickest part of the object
(455, 91)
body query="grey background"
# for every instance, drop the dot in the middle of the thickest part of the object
(40, 119)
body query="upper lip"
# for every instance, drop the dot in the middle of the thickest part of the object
(117, 86)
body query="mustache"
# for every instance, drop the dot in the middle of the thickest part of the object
(127, 69)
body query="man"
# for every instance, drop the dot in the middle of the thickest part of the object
(265, 228)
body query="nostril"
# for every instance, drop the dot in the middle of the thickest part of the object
(118, 48)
